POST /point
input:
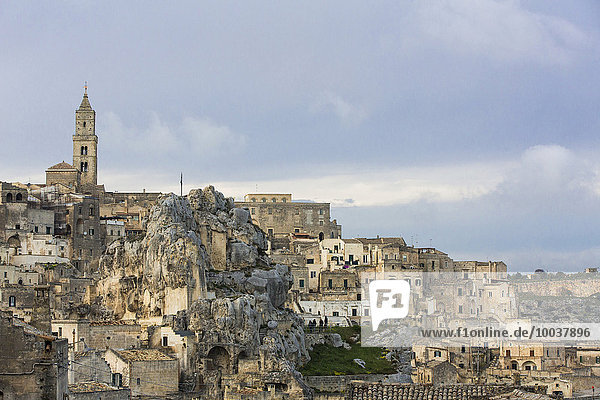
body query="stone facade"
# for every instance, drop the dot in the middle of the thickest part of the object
(34, 365)
(145, 372)
(85, 146)
(279, 216)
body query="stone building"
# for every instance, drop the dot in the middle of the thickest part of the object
(34, 365)
(531, 356)
(437, 373)
(29, 303)
(146, 372)
(279, 216)
(99, 335)
(85, 146)
(93, 390)
(63, 174)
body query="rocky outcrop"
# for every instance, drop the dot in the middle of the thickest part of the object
(202, 267)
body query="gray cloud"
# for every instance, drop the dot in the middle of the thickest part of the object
(472, 123)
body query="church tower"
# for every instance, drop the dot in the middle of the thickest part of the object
(85, 145)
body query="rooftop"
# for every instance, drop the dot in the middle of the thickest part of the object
(61, 165)
(89, 387)
(142, 355)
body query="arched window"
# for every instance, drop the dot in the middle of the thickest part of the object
(91, 211)
(263, 200)
(254, 199)
(9, 197)
(84, 124)
(274, 200)
(19, 197)
(321, 236)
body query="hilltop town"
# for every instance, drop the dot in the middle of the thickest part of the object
(119, 295)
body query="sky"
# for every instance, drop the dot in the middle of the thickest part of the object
(470, 126)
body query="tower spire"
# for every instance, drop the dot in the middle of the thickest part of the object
(85, 102)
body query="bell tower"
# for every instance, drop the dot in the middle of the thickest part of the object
(85, 145)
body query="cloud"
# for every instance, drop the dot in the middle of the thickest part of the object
(348, 114)
(192, 137)
(500, 30)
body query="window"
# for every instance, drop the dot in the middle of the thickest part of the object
(463, 349)
(321, 223)
(48, 230)
(330, 283)
(91, 211)
(358, 296)
(313, 274)
(296, 230)
(283, 200)
(532, 353)
(366, 312)
(138, 381)
(437, 353)
(345, 283)
(301, 283)
(321, 211)
(270, 211)
(404, 258)
(91, 232)
(460, 309)
(60, 331)
(270, 231)
(336, 313)
(597, 360)
(35, 228)
(18, 226)
(263, 200)
(274, 200)
(253, 211)
(117, 380)
(253, 199)
(12, 301)
(165, 341)
(507, 353)
(354, 312)
(310, 261)
(460, 291)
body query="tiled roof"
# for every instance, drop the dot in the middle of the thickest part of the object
(87, 387)
(143, 355)
(402, 391)
(62, 165)
(113, 323)
(520, 395)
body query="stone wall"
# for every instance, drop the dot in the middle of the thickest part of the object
(339, 383)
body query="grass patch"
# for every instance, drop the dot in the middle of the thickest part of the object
(329, 360)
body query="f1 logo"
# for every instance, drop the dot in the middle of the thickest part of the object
(388, 300)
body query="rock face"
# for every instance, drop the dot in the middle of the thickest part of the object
(201, 268)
